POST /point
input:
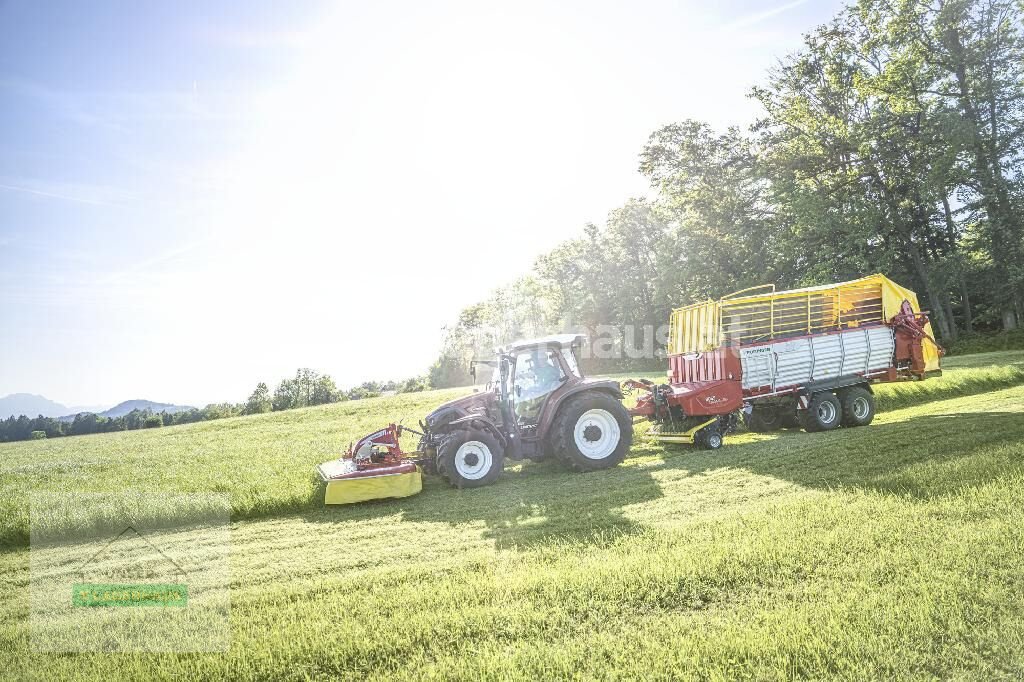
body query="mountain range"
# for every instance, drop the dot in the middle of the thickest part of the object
(32, 406)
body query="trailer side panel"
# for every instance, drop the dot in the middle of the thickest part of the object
(783, 365)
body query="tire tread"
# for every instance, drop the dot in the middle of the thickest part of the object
(562, 431)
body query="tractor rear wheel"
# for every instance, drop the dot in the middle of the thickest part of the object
(592, 431)
(823, 413)
(470, 459)
(858, 406)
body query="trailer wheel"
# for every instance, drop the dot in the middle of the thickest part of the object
(824, 413)
(709, 438)
(592, 431)
(470, 459)
(765, 418)
(789, 417)
(858, 406)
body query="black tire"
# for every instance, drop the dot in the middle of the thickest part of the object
(858, 406)
(765, 418)
(597, 416)
(709, 438)
(823, 413)
(470, 459)
(789, 417)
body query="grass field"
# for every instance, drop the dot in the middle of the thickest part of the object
(895, 550)
(266, 462)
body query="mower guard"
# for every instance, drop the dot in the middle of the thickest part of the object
(345, 485)
(373, 468)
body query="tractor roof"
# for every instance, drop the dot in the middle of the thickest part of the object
(556, 340)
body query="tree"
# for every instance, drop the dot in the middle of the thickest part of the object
(324, 390)
(287, 395)
(259, 401)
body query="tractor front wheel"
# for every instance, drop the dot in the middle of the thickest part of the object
(470, 459)
(592, 431)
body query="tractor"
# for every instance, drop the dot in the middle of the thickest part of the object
(536, 404)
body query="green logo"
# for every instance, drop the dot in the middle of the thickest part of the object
(140, 594)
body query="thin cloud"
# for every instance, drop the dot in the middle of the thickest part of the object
(758, 17)
(147, 264)
(88, 198)
(117, 110)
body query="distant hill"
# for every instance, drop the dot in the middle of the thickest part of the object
(30, 405)
(127, 406)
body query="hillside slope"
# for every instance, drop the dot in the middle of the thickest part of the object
(889, 551)
(127, 406)
(266, 462)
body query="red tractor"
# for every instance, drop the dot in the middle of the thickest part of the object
(537, 404)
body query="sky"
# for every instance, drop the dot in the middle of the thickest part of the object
(198, 196)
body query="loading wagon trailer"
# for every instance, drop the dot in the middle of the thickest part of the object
(802, 357)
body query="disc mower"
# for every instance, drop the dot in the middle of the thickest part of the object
(537, 404)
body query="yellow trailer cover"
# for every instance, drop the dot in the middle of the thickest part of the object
(747, 317)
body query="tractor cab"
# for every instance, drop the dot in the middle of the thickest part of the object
(526, 373)
(538, 369)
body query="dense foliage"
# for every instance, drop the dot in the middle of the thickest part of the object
(892, 142)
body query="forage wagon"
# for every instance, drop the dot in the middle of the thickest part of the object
(804, 357)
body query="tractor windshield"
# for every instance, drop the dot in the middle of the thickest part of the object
(537, 374)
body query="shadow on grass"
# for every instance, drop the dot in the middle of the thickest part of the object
(539, 504)
(954, 384)
(536, 504)
(923, 457)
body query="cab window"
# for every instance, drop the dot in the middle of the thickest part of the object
(537, 375)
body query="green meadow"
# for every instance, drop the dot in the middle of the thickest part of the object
(891, 551)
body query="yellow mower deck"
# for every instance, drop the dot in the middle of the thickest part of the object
(363, 488)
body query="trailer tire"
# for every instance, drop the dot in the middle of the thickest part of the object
(709, 438)
(470, 459)
(765, 418)
(823, 413)
(592, 431)
(790, 418)
(858, 406)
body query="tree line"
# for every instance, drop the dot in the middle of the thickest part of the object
(308, 388)
(26, 428)
(892, 141)
(305, 389)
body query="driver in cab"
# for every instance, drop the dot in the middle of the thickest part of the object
(538, 378)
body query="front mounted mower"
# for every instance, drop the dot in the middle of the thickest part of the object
(537, 404)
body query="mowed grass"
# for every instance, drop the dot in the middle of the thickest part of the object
(892, 551)
(266, 462)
